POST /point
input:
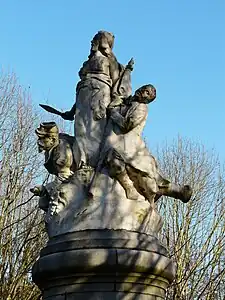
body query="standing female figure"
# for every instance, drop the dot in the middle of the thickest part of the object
(98, 76)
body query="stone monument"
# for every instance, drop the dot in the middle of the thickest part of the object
(100, 211)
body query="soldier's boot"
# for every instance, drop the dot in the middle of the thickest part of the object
(176, 191)
(128, 186)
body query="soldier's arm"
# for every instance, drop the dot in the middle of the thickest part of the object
(62, 153)
(132, 119)
(64, 161)
(136, 116)
(118, 118)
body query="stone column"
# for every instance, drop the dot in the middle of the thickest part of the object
(104, 249)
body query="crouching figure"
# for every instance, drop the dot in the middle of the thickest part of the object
(62, 159)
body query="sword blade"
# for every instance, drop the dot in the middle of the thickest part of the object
(51, 109)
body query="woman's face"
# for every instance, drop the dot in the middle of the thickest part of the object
(100, 42)
(94, 45)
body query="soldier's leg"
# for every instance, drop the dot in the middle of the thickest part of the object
(118, 171)
(173, 190)
(144, 184)
(176, 191)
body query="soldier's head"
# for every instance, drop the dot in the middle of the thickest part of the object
(145, 94)
(102, 41)
(48, 136)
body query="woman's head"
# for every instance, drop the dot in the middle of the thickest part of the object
(102, 41)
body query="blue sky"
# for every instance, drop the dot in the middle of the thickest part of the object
(179, 46)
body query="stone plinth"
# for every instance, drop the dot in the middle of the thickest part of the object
(108, 251)
(103, 264)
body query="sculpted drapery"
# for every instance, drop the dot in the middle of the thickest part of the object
(108, 126)
(93, 94)
(99, 203)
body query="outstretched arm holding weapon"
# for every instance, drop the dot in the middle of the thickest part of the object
(67, 115)
(121, 90)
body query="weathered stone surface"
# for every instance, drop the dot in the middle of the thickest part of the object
(66, 267)
(100, 208)
(106, 213)
(104, 296)
(104, 239)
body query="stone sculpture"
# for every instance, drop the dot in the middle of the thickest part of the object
(128, 158)
(98, 76)
(62, 154)
(104, 191)
(62, 159)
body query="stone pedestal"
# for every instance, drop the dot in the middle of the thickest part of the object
(103, 264)
(104, 249)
